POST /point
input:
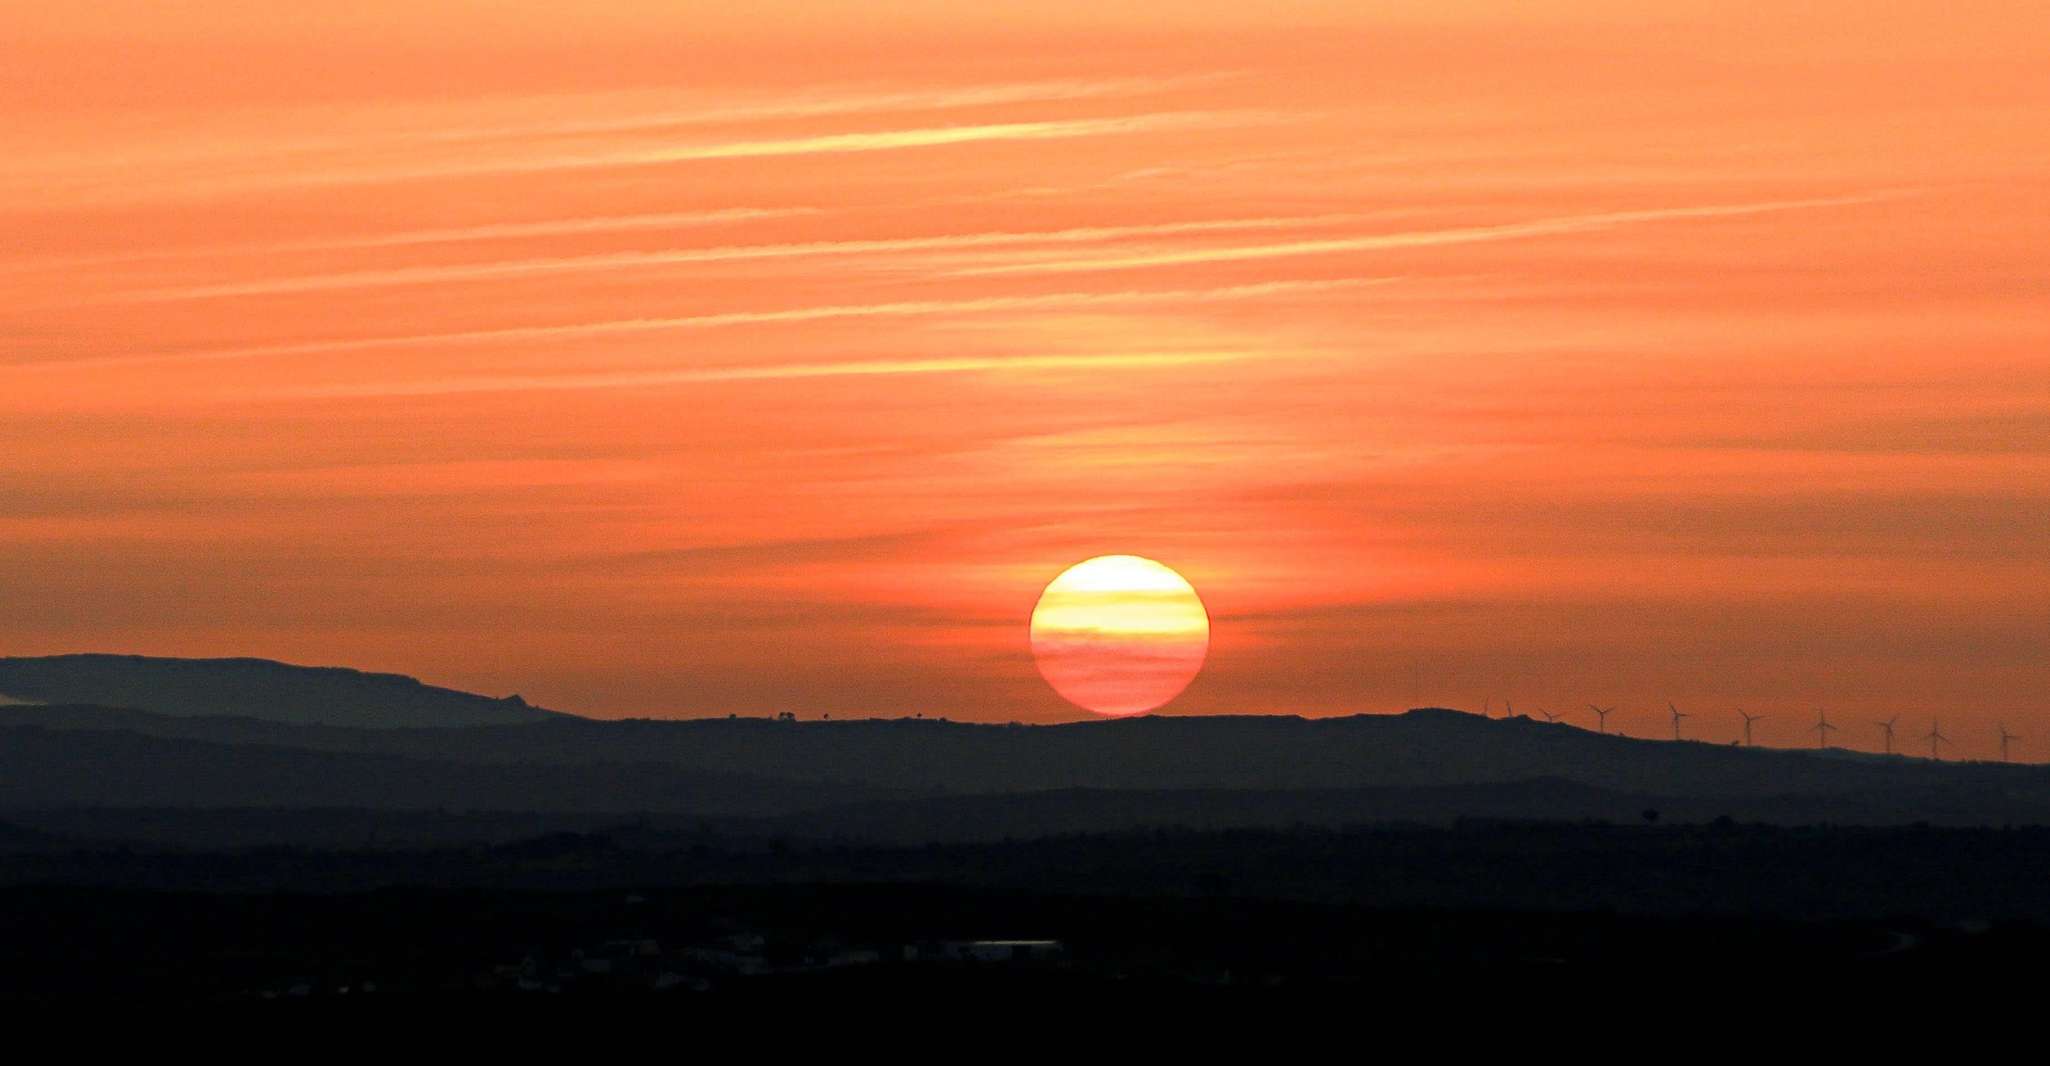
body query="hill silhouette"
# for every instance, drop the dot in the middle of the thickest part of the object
(254, 688)
(1419, 748)
(927, 779)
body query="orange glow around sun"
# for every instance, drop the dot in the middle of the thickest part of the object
(678, 359)
(1119, 634)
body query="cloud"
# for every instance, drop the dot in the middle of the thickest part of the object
(511, 268)
(785, 371)
(616, 327)
(528, 158)
(279, 150)
(495, 231)
(840, 101)
(1543, 227)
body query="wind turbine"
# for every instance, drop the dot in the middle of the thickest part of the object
(1549, 716)
(1601, 717)
(2006, 736)
(1677, 715)
(1888, 726)
(1822, 729)
(1748, 719)
(1508, 709)
(1935, 738)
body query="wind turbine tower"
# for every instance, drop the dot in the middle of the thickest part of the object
(1549, 716)
(2006, 736)
(1601, 717)
(1677, 715)
(1822, 730)
(1888, 726)
(1748, 719)
(1936, 738)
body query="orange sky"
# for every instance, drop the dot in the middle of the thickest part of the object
(651, 360)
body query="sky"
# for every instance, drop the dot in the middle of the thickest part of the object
(676, 359)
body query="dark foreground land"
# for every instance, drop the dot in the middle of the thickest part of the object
(644, 911)
(254, 833)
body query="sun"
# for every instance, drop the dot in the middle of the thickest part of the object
(1119, 634)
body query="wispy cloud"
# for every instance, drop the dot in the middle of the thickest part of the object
(618, 327)
(496, 231)
(1543, 227)
(813, 144)
(514, 268)
(846, 100)
(522, 121)
(232, 174)
(774, 372)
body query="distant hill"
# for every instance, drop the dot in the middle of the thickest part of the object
(1417, 749)
(926, 779)
(254, 688)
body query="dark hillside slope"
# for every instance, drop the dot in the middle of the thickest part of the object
(255, 688)
(1422, 748)
(905, 777)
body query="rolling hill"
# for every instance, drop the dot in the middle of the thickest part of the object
(1415, 749)
(247, 734)
(909, 781)
(254, 688)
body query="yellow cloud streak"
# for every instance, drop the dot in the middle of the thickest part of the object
(1546, 227)
(1120, 597)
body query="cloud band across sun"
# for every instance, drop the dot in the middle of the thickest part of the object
(1120, 634)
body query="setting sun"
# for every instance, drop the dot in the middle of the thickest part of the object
(1119, 634)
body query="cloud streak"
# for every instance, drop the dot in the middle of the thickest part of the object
(268, 155)
(1565, 225)
(848, 101)
(521, 159)
(622, 327)
(516, 268)
(776, 372)
(496, 231)
(1544, 227)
